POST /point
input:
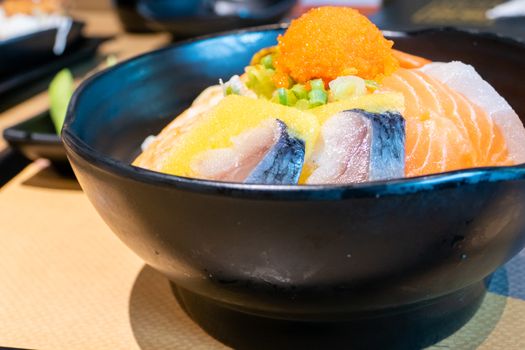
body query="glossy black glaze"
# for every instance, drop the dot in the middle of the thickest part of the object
(23, 52)
(309, 253)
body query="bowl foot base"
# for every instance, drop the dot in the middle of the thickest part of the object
(415, 328)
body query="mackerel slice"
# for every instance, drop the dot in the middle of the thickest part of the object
(358, 146)
(283, 163)
(267, 154)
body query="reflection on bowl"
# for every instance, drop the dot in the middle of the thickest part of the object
(408, 256)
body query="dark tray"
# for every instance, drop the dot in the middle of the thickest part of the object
(83, 48)
(34, 49)
(36, 138)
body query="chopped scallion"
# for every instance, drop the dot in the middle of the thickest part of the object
(300, 91)
(302, 104)
(317, 84)
(317, 97)
(286, 97)
(267, 61)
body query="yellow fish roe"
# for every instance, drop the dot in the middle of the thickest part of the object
(328, 42)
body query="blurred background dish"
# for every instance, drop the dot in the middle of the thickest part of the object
(34, 32)
(36, 138)
(466, 14)
(20, 17)
(36, 37)
(185, 18)
(30, 7)
(21, 53)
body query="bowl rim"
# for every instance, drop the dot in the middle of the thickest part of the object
(395, 187)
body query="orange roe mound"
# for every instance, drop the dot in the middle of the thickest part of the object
(329, 42)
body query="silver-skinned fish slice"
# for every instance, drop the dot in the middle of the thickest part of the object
(283, 163)
(267, 154)
(358, 146)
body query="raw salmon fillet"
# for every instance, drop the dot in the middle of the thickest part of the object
(464, 79)
(445, 130)
(158, 151)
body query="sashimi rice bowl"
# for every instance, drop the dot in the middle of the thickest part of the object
(334, 103)
(317, 172)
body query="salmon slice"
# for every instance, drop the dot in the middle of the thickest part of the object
(407, 60)
(445, 131)
(464, 79)
(158, 149)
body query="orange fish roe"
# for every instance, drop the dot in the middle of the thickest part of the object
(328, 42)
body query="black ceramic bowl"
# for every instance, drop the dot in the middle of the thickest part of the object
(396, 264)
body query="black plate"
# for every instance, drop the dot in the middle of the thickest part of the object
(10, 86)
(36, 138)
(27, 51)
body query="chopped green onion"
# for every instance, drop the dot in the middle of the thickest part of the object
(260, 80)
(372, 84)
(300, 91)
(347, 87)
(286, 97)
(302, 104)
(267, 61)
(234, 86)
(317, 84)
(229, 91)
(317, 97)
